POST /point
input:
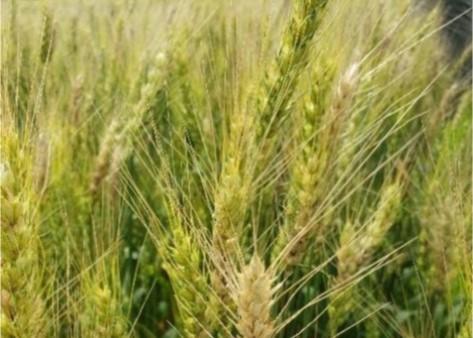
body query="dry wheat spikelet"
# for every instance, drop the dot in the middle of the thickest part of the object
(102, 164)
(42, 162)
(253, 296)
(117, 141)
(76, 99)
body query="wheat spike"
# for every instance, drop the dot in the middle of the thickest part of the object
(254, 297)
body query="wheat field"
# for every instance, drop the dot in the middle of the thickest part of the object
(251, 169)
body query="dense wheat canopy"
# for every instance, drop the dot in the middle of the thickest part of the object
(251, 169)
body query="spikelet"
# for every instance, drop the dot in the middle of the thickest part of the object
(232, 192)
(351, 256)
(310, 178)
(281, 78)
(221, 302)
(13, 19)
(231, 200)
(231, 204)
(76, 100)
(42, 163)
(119, 135)
(73, 39)
(23, 308)
(338, 120)
(155, 80)
(445, 205)
(101, 316)
(447, 108)
(47, 37)
(354, 254)
(254, 297)
(102, 163)
(230, 207)
(116, 161)
(183, 265)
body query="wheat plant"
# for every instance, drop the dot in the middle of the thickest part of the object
(252, 169)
